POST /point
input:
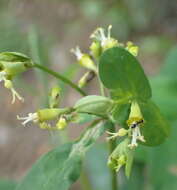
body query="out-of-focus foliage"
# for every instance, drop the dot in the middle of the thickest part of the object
(7, 184)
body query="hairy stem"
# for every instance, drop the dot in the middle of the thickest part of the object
(112, 146)
(61, 77)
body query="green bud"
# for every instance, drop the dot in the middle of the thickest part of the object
(14, 63)
(62, 123)
(94, 105)
(87, 77)
(122, 132)
(95, 49)
(132, 48)
(87, 62)
(54, 97)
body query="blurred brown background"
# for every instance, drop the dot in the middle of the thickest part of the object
(46, 30)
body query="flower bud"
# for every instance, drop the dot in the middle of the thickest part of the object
(62, 123)
(87, 77)
(95, 49)
(87, 62)
(54, 97)
(122, 132)
(84, 59)
(14, 63)
(132, 48)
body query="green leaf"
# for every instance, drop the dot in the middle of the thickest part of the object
(61, 167)
(120, 114)
(156, 128)
(7, 184)
(120, 71)
(93, 104)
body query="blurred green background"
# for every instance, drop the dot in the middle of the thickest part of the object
(46, 30)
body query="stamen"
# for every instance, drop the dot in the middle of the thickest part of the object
(16, 94)
(140, 137)
(109, 31)
(31, 117)
(99, 35)
(134, 138)
(112, 135)
(121, 132)
(77, 52)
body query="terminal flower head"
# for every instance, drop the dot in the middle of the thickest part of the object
(106, 41)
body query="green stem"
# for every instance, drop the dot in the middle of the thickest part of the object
(61, 77)
(112, 146)
(102, 92)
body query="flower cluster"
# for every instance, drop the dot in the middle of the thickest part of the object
(100, 42)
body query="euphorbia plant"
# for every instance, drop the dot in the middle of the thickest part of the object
(124, 110)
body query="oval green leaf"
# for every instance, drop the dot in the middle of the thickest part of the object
(156, 129)
(120, 71)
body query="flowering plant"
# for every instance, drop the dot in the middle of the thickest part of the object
(124, 110)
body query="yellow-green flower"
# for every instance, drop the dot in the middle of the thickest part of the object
(84, 59)
(135, 121)
(105, 41)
